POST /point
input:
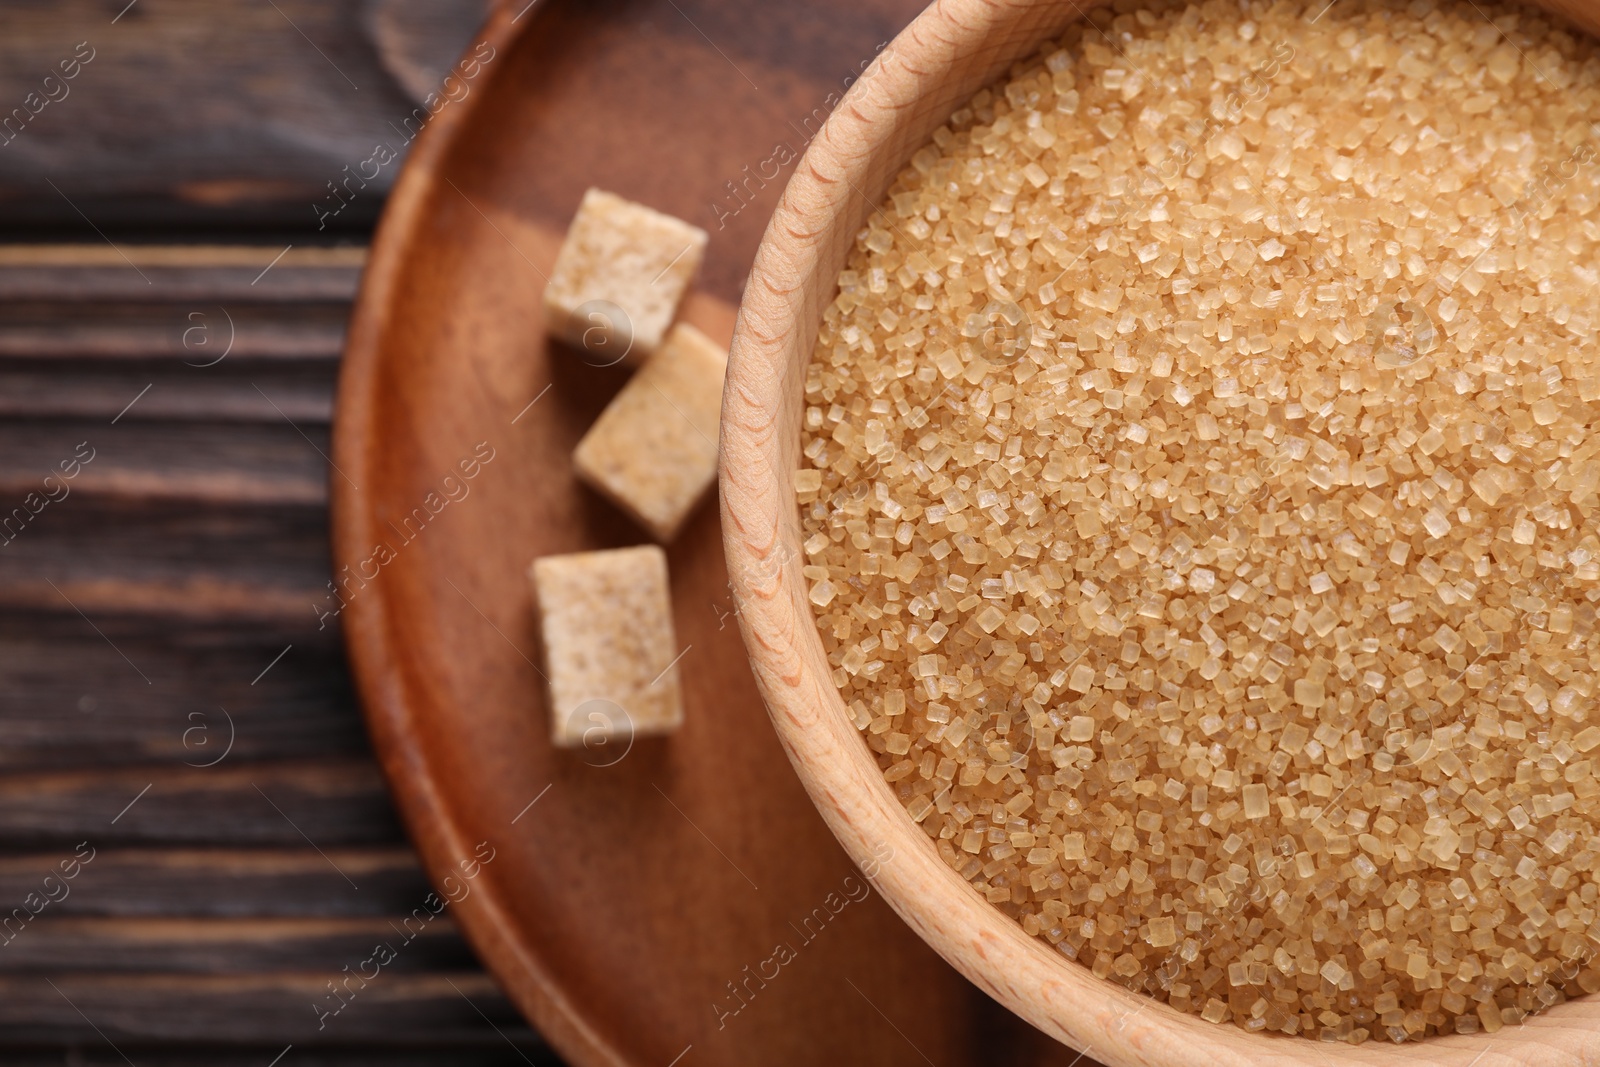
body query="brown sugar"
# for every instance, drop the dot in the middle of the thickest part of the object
(1199, 507)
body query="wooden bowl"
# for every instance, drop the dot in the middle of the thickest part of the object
(951, 50)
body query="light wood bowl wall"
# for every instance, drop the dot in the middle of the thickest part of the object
(953, 49)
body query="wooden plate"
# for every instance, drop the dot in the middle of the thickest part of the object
(684, 902)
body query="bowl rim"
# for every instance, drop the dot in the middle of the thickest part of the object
(947, 52)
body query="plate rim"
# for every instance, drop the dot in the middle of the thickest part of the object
(377, 667)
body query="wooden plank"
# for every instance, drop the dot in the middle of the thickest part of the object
(323, 803)
(224, 880)
(179, 637)
(258, 109)
(203, 598)
(193, 332)
(94, 392)
(98, 1008)
(185, 256)
(419, 1052)
(68, 702)
(230, 946)
(63, 565)
(146, 543)
(99, 273)
(250, 463)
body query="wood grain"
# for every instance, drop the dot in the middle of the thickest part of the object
(452, 1008)
(220, 880)
(945, 55)
(174, 274)
(69, 702)
(328, 802)
(301, 396)
(253, 463)
(224, 946)
(152, 334)
(193, 115)
(139, 615)
(377, 1053)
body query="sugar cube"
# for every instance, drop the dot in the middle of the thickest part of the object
(653, 451)
(605, 620)
(619, 277)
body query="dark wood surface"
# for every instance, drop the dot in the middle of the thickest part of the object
(142, 616)
(212, 117)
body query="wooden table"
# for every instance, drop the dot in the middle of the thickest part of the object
(177, 730)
